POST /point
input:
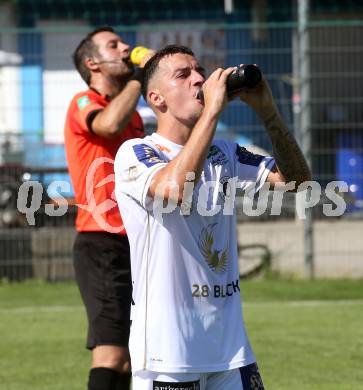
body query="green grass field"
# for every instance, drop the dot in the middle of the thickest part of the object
(306, 335)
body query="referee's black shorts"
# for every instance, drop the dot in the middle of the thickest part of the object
(102, 269)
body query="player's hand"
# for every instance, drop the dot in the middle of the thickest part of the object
(215, 91)
(259, 97)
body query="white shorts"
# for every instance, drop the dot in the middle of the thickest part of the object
(243, 378)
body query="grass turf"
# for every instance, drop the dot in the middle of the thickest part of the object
(306, 335)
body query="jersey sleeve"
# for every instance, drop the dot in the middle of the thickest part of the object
(136, 163)
(86, 108)
(251, 169)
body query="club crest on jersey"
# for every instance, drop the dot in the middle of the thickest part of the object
(147, 155)
(216, 259)
(248, 158)
(216, 156)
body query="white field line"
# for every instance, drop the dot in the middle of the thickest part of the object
(39, 309)
(308, 303)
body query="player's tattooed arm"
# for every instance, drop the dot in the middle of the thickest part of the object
(291, 164)
(290, 161)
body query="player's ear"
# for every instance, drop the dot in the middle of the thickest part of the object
(156, 99)
(91, 63)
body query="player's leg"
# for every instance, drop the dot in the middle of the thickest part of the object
(243, 378)
(102, 268)
(151, 380)
(110, 368)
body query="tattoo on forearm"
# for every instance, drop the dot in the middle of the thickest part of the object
(287, 153)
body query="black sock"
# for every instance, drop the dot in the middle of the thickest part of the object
(123, 382)
(101, 378)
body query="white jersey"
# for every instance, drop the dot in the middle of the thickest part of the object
(187, 315)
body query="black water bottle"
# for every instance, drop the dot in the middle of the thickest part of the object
(244, 76)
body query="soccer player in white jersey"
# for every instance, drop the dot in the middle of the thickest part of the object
(187, 327)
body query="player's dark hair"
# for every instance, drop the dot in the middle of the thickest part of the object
(153, 63)
(86, 49)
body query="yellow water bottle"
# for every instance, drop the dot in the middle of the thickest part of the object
(137, 54)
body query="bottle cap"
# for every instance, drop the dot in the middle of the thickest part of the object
(137, 54)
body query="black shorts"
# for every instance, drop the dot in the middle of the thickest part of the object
(103, 274)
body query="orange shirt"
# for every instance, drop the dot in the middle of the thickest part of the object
(90, 163)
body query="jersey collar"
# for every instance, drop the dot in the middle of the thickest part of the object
(168, 147)
(106, 97)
